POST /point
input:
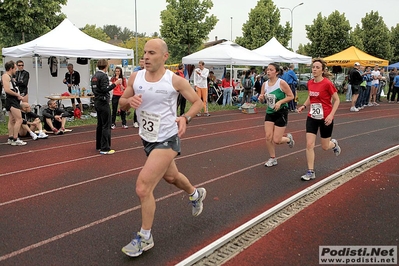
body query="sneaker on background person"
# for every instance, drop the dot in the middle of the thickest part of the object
(124, 126)
(135, 124)
(354, 109)
(113, 126)
(107, 152)
(271, 162)
(18, 142)
(42, 135)
(33, 135)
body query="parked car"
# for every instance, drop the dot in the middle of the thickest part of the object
(303, 81)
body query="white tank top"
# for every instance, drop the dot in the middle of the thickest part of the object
(157, 113)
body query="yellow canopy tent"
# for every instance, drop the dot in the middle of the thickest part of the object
(348, 57)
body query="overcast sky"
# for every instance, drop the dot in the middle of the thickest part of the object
(121, 13)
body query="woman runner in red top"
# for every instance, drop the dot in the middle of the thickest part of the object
(321, 114)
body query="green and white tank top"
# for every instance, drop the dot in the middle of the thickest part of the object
(274, 94)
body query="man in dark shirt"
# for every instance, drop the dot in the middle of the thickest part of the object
(22, 80)
(101, 89)
(355, 79)
(72, 78)
(54, 118)
(30, 123)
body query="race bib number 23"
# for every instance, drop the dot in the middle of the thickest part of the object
(149, 125)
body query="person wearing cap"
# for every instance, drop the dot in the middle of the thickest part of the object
(375, 83)
(355, 79)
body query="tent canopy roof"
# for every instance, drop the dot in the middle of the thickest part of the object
(227, 53)
(394, 65)
(351, 55)
(276, 51)
(67, 40)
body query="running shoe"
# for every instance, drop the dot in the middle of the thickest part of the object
(135, 124)
(113, 126)
(207, 114)
(18, 142)
(107, 152)
(309, 175)
(197, 204)
(271, 162)
(337, 148)
(138, 245)
(291, 143)
(33, 135)
(125, 126)
(42, 135)
(62, 130)
(199, 114)
(354, 109)
(9, 141)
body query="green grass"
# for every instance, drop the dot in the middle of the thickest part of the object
(302, 95)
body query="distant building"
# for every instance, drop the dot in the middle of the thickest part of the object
(212, 43)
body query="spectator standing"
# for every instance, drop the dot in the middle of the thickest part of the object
(258, 84)
(30, 123)
(137, 68)
(292, 81)
(360, 102)
(248, 83)
(116, 94)
(395, 89)
(72, 78)
(161, 141)
(227, 84)
(22, 80)
(277, 95)
(181, 101)
(101, 88)
(355, 79)
(375, 84)
(383, 82)
(12, 104)
(367, 77)
(323, 102)
(392, 75)
(54, 118)
(201, 85)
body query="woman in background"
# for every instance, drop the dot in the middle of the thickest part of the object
(116, 94)
(227, 86)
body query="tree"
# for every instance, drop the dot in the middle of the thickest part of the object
(185, 26)
(328, 35)
(376, 36)
(112, 30)
(95, 32)
(25, 20)
(125, 34)
(395, 43)
(131, 44)
(263, 24)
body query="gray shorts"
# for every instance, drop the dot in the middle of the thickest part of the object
(170, 143)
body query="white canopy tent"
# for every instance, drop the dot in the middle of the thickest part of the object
(227, 53)
(65, 40)
(278, 53)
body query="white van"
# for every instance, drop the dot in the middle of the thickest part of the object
(237, 72)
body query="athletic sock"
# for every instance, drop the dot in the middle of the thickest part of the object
(146, 233)
(194, 195)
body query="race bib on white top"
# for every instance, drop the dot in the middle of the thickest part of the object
(270, 100)
(150, 124)
(316, 111)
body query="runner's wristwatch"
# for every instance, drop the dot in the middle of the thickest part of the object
(188, 118)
